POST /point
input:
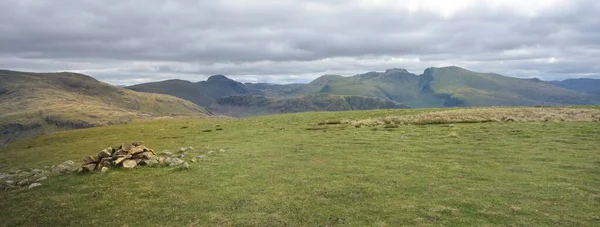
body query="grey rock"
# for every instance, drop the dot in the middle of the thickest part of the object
(185, 165)
(36, 171)
(190, 148)
(16, 171)
(222, 150)
(129, 164)
(104, 154)
(183, 149)
(151, 162)
(166, 152)
(87, 168)
(182, 155)
(210, 152)
(65, 172)
(5, 176)
(104, 170)
(173, 161)
(34, 185)
(10, 182)
(68, 163)
(23, 182)
(41, 179)
(59, 168)
(201, 156)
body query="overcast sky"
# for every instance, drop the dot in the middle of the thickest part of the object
(128, 42)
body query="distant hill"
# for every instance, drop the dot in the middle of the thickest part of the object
(203, 93)
(584, 85)
(248, 105)
(36, 103)
(451, 86)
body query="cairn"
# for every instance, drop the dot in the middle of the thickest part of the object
(127, 155)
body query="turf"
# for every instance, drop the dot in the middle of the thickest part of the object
(307, 170)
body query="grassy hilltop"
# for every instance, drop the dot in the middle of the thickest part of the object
(416, 167)
(32, 104)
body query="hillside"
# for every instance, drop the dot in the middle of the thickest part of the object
(415, 167)
(242, 106)
(584, 85)
(36, 103)
(452, 86)
(203, 93)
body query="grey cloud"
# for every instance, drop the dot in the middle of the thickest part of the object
(290, 41)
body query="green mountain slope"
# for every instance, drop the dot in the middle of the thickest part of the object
(461, 87)
(35, 103)
(453, 86)
(584, 85)
(202, 93)
(248, 105)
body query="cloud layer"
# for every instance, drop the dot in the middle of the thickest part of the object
(127, 42)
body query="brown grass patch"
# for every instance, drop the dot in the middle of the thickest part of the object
(490, 114)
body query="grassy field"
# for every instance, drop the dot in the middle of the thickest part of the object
(296, 170)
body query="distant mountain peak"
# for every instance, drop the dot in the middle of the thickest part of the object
(218, 78)
(396, 70)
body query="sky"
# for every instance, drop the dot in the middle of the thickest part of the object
(294, 41)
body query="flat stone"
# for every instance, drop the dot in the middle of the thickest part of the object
(23, 182)
(16, 171)
(166, 152)
(41, 179)
(90, 159)
(136, 150)
(36, 170)
(65, 172)
(126, 147)
(34, 185)
(129, 164)
(183, 149)
(210, 152)
(201, 156)
(121, 159)
(104, 154)
(87, 168)
(5, 176)
(68, 163)
(193, 160)
(151, 162)
(222, 150)
(145, 155)
(173, 161)
(119, 153)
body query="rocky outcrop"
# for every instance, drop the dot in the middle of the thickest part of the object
(127, 155)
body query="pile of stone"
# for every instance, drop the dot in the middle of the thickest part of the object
(17, 178)
(127, 155)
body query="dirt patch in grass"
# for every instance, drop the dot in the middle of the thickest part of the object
(481, 115)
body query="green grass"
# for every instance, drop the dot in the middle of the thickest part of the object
(275, 172)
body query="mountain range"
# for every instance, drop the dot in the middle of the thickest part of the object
(33, 104)
(398, 88)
